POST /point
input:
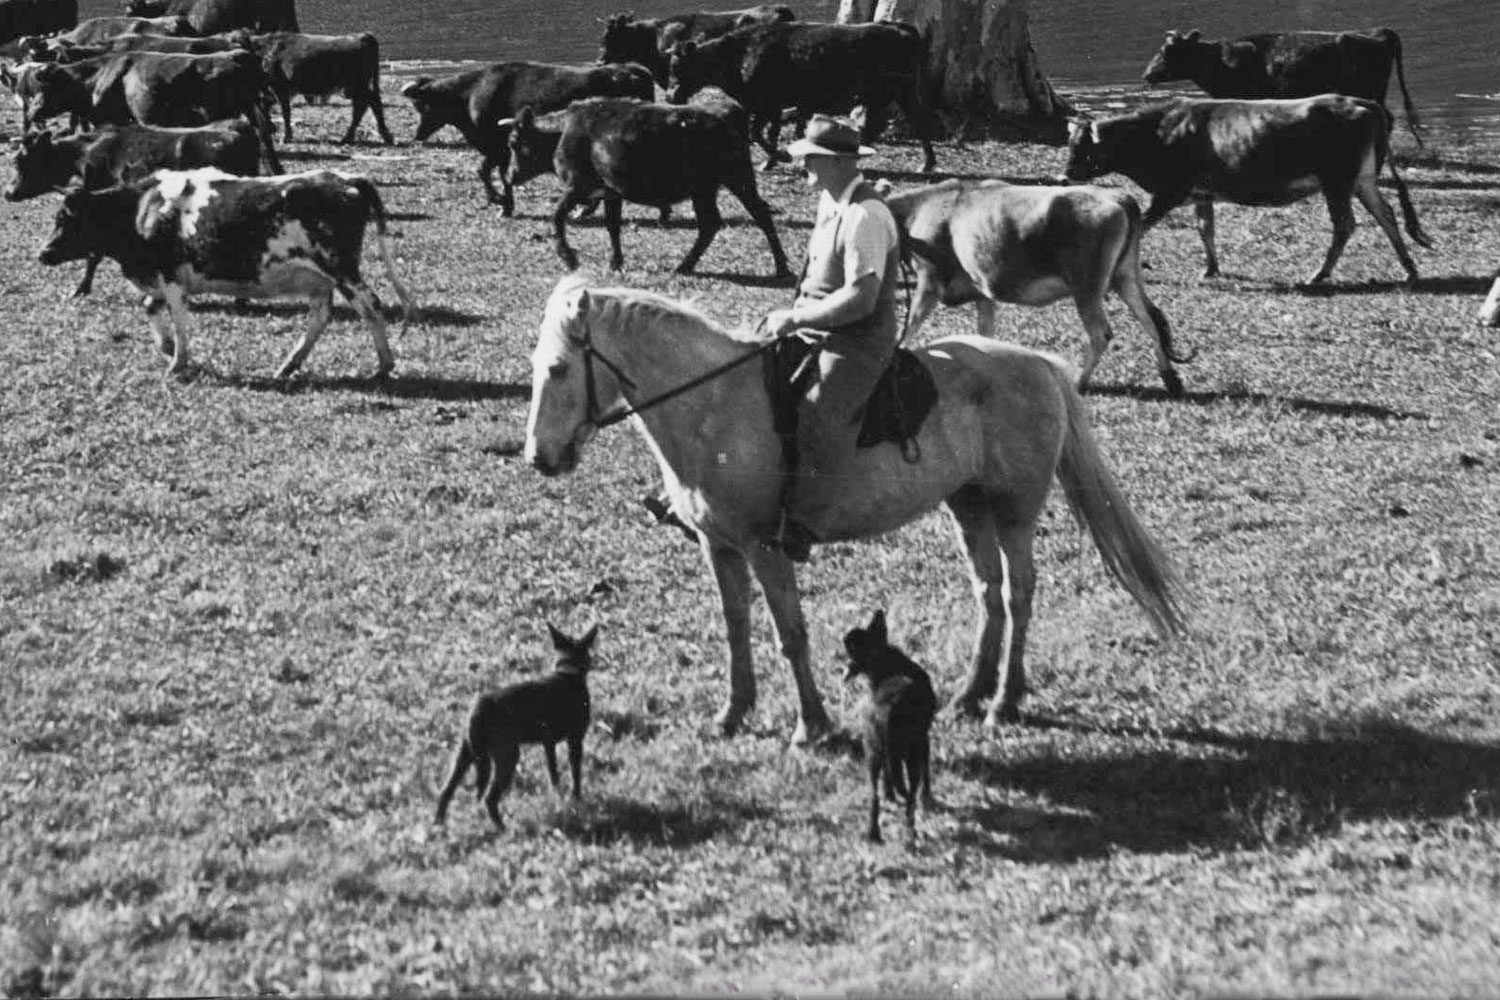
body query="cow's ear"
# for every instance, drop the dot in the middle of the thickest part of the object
(877, 626)
(684, 50)
(151, 214)
(1192, 36)
(525, 119)
(417, 86)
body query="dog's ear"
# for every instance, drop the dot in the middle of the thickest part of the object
(587, 642)
(877, 627)
(560, 642)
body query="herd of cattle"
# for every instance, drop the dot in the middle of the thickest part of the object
(171, 168)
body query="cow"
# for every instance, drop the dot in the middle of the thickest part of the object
(475, 100)
(648, 41)
(816, 67)
(320, 65)
(1253, 153)
(213, 17)
(156, 88)
(98, 30)
(19, 18)
(126, 154)
(638, 151)
(53, 50)
(988, 241)
(1286, 64)
(184, 232)
(22, 81)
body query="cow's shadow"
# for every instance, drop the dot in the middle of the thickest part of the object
(1447, 284)
(398, 386)
(917, 177)
(434, 315)
(1301, 404)
(1202, 789)
(307, 155)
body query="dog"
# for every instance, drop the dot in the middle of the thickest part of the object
(896, 722)
(546, 710)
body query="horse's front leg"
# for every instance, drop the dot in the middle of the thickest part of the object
(732, 574)
(778, 578)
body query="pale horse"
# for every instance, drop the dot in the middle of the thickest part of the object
(1007, 421)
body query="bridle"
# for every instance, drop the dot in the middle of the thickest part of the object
(596, 421)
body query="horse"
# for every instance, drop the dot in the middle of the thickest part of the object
(1008, 420)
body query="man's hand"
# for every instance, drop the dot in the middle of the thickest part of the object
(779, 322)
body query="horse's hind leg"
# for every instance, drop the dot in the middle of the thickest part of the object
(1003, 577)
(778, 579)
(732, 574)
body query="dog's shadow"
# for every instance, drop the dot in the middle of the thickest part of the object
(609, 820)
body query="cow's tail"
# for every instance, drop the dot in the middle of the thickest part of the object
(1129, 552)
(1413, 123)
(1130, 260)
(1408, 210)
(371, 194)
(109, 75)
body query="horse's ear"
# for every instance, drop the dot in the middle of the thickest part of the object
(877, 626)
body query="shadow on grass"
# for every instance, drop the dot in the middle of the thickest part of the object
(1301, 404)
(304, 156)
(394, 387)
(751, 280)
(407, 216)
(611, 820)
(1448, 284)
(431, 314)
(1252, 792)
(918, 178)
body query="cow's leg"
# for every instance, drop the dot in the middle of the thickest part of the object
(368, 306)
(613, 204)
(770, 134)
(744, 188)
(496, 155)
(377, 108)
(924, 300)
(181, 324)
(778, 580)
(256, 115)
(986, 317)
(86, 284)
(284, 99)
(1131, 289)
(358, 102)
(159, 314)
(706, 208)
(919, 116)
(732, 574)
(1204, 207)
(565, 203)
(1088, 297)
(1341, 213)
(1369, 196)
(320, 311)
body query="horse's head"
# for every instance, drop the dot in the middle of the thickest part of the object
(569, 392)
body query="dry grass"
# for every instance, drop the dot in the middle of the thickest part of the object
(239, 622)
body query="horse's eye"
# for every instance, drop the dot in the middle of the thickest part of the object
(558, 369)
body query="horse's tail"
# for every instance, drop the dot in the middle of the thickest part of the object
(1129, 552)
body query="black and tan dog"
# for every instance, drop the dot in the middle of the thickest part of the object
(896, 721)
(546, 710)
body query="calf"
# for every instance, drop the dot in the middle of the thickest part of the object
(123, 155)
(1288, 64)
(476, 100)
(319, 66)
(181, 233)
(157, 88)
(988, 241)
(651, 154)
(649, 41)
(815, 67)
(1253, 153)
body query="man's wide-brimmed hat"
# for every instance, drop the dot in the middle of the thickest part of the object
(828, 136)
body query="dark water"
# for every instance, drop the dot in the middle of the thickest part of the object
(1452, 47)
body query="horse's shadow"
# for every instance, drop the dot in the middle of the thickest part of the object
(1321, 407)
(1222, 792)
(392, 387)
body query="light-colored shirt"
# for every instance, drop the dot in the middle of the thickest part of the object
(850, 239)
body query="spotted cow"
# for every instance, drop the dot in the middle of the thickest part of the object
(187, 232)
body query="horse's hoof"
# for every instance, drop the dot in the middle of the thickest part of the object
(730, 718)
(811, 732)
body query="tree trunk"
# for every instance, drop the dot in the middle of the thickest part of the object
(982, 72)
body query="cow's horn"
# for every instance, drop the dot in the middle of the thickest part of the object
(505, 123)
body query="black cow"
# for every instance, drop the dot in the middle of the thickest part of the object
(35, 17)
(815, 67)
(99, 30)
(212, 17)
(649, 41)
(1288, 64)
(475, 100)
(1253, 153)
(126, 154)
(156, 88)
(52, 50)
(181, 233)
(650, 154)
(321, 65)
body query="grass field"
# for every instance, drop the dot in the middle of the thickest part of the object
(240, 621)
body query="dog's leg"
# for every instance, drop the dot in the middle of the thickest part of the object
(462, 758)
(575, 763)
(551, 750)
(505, 758)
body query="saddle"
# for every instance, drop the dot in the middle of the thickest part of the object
(895, 411)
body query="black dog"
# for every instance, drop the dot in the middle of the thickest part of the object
(545, 711)
(896, 723)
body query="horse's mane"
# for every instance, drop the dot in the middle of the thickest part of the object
(657, 309)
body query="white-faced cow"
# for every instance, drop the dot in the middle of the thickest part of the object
(35, 17)
(319, 66)
(211, 17)
(649, 41)
(182, 233)
(1253, 153)
(123, 155)
(814, 67)
(476, 100)
(987, 242)
(650, 154)
(1284, 64)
